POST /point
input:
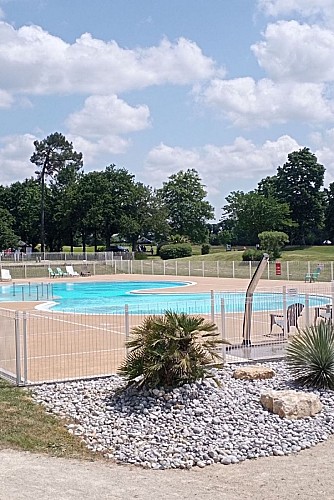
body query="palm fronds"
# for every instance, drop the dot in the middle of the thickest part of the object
(170, 350)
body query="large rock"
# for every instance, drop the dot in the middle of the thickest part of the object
(253, 372)
(291, 404)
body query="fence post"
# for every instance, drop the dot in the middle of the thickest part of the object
(307, 309)
(250, 269)
(17, 348)
(233, 270)
(94, 268)
(152, 267)
(287, 271)
(25, 270)
(203, 268)
(217, 268)
(212, 300)
(189, 268)
(332, 290)
(126, 323)
(222, 321)
(268, 268)
(25, 349)
(285, 310)
(176, 268)
(164, 267)
(332, 271)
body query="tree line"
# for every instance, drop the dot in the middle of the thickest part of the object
(62, 205)
(293, 201)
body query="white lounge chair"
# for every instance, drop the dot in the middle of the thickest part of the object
(70, 271)
(5, 275)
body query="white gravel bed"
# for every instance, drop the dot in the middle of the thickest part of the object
(194, 425)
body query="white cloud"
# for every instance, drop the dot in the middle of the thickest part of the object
(298, 52)
(324, 142)
(102, 115)
(6, 99)
(217, 165)
(33, 61)
(248, 103)
(95, 151)
(97, 128)
(15, 153)
(307, 8)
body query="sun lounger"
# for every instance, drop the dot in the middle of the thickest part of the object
(70, 271)
(52, 273)
(5, 275)
(61, 272)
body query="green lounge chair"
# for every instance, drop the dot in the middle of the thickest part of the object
(60, 272)
(52, 273)
(312, 277)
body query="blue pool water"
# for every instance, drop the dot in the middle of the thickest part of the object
(104, 297)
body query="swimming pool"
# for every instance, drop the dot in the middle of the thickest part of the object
(104, 297)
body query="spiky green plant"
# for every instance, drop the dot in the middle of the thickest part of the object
(310, 356)
(170, 350)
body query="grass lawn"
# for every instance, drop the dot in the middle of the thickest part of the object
(24, 425)
(312, 253)
(321, 253)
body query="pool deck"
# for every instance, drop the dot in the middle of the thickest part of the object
(63, 346)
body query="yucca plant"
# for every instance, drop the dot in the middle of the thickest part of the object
(170, 350)
(310, 356)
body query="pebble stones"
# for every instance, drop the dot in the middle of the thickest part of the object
(194, 425)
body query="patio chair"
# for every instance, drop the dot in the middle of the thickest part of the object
(5, 275)
(52, 273)
(312, 277)
(70, 271)
(61, 272)
(324, 313)
(293, 313)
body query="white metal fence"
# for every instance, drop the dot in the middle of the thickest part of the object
(42, 346)
(289, 271)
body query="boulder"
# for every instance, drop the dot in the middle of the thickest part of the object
(291, 404)
(253, 372)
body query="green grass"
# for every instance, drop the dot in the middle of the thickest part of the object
(312, 253)
(24, 425)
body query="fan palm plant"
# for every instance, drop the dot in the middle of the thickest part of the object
(310, 356)
(171, 350)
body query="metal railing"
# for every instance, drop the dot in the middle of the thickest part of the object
(63, 256)
(44, 346)
(289, 271)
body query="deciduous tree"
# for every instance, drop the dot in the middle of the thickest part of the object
(188, 211)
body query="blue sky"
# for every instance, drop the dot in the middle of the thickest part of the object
(228, 88)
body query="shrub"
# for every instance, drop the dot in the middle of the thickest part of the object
(176, 251)
(205, 249)
(171, 350)
(140, 256)
(252, 254)
(272, 242)
(310, 356)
